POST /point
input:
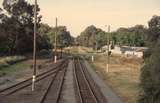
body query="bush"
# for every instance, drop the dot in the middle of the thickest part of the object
(150, 75)
(150, 79)
(6, 61)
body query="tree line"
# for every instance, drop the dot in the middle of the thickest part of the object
(92, 36)
(16, 29)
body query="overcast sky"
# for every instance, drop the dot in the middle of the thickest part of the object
(78, 14)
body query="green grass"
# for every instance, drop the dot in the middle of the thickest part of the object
(10, 65)
(8, 60)
(14, 68)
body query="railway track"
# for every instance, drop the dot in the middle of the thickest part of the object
(53, 92)
(21, 85)
(86, 90)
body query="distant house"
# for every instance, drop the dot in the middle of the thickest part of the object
(139, 52)
(105, 48)
(128, 51)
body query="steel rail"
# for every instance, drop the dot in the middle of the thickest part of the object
(27, 82)
(86, 92)
(57, 92)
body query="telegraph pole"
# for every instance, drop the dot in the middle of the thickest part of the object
(55, 43)
(94, 46)
(108, 42)
(34, 47)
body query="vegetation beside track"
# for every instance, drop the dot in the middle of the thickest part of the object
(11, 64)
(123, 75)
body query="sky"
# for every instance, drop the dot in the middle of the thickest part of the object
(78, 14)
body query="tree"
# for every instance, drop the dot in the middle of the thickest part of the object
(3, 36)
(87, 37)
(150, 75)
(63, 36)
(44, 40)
(18, 26)
(134, 36)
(92, 37)
(16, 29)
(154, 30)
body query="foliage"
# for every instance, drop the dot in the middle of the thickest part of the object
(16, 27)
(96, 38)
(134, 36)
(9, 60)
(150, 76)
(63, 36)
(92, 37)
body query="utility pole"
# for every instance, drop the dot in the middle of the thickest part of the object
(94, 46)
(34, 47)
(108, 42)
(55, 44)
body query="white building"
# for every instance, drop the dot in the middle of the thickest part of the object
(128, 51)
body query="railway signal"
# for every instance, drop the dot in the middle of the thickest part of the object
(34, 47)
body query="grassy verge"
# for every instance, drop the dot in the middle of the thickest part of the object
(12, 64)
(123, 76)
